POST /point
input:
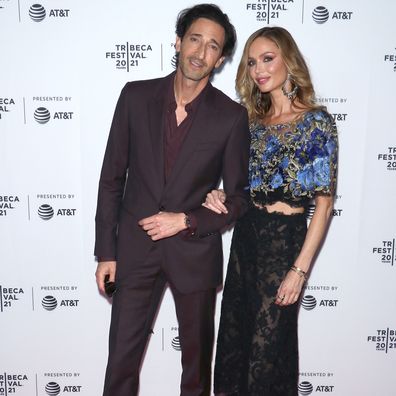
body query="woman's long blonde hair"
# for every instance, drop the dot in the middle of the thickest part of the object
(257, 103)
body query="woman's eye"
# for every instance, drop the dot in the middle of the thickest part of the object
(268, 59)
(251, 63)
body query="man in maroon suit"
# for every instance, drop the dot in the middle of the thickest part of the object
(171, 141)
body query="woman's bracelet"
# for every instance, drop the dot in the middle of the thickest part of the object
(299, 272)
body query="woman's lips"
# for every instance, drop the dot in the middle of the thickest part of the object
(262, 80)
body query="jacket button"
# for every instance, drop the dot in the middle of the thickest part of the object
(162, 208)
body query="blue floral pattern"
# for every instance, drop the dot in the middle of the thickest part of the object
(294, 161)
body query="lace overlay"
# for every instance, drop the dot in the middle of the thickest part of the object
(292, 162)
(257, 348)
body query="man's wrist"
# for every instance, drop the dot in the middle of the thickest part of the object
(101, 259)
(187, 222)
(190, 224)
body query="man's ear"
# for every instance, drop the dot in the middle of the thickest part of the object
(219, 62)
(178, 43)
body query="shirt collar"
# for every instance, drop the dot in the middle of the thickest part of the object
(191, 106)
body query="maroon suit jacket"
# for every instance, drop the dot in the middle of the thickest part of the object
(132, 185)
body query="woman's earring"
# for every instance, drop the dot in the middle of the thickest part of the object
(258, 99)
(293, 93)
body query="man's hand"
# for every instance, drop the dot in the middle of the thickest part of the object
(105, 268)
(163, 225)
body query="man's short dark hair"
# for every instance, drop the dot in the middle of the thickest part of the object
(209, 11)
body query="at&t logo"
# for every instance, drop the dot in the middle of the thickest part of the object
(176, 343)
(49, 303)
(305, 388)
(309, 302)
(174, 61)
(311, 210)
(384, 340)
(175, 58)
(321, 15)
(42, 115)
(339, 116)
(46, 212)
(38, 13)
(54, 389)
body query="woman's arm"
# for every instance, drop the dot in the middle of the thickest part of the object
(290, 288)
(215, 201)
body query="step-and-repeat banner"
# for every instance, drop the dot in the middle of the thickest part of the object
(62, 66)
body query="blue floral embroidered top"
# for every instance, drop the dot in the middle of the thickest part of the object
(293, 162)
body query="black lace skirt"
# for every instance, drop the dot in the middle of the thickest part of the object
(257, 347)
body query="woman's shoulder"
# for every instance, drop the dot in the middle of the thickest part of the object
(307, 119)
(318, 115)
(318, 119)
(256, 126)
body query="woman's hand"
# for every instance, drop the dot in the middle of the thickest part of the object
(290, 289)
(215, 201)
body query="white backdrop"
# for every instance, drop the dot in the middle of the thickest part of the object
(63, 64)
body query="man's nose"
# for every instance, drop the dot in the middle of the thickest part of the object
(201, 51)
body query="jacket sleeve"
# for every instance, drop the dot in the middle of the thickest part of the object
(112, 180)
(235, 181)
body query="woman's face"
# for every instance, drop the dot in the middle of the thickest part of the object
(266, 66)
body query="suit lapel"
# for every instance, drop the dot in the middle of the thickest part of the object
(205, 116)
(156, 109)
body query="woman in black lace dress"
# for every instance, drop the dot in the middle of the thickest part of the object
(293, 159)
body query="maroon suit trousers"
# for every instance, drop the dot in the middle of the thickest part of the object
(135, 304)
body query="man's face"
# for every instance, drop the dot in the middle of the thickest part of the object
(201, 48)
